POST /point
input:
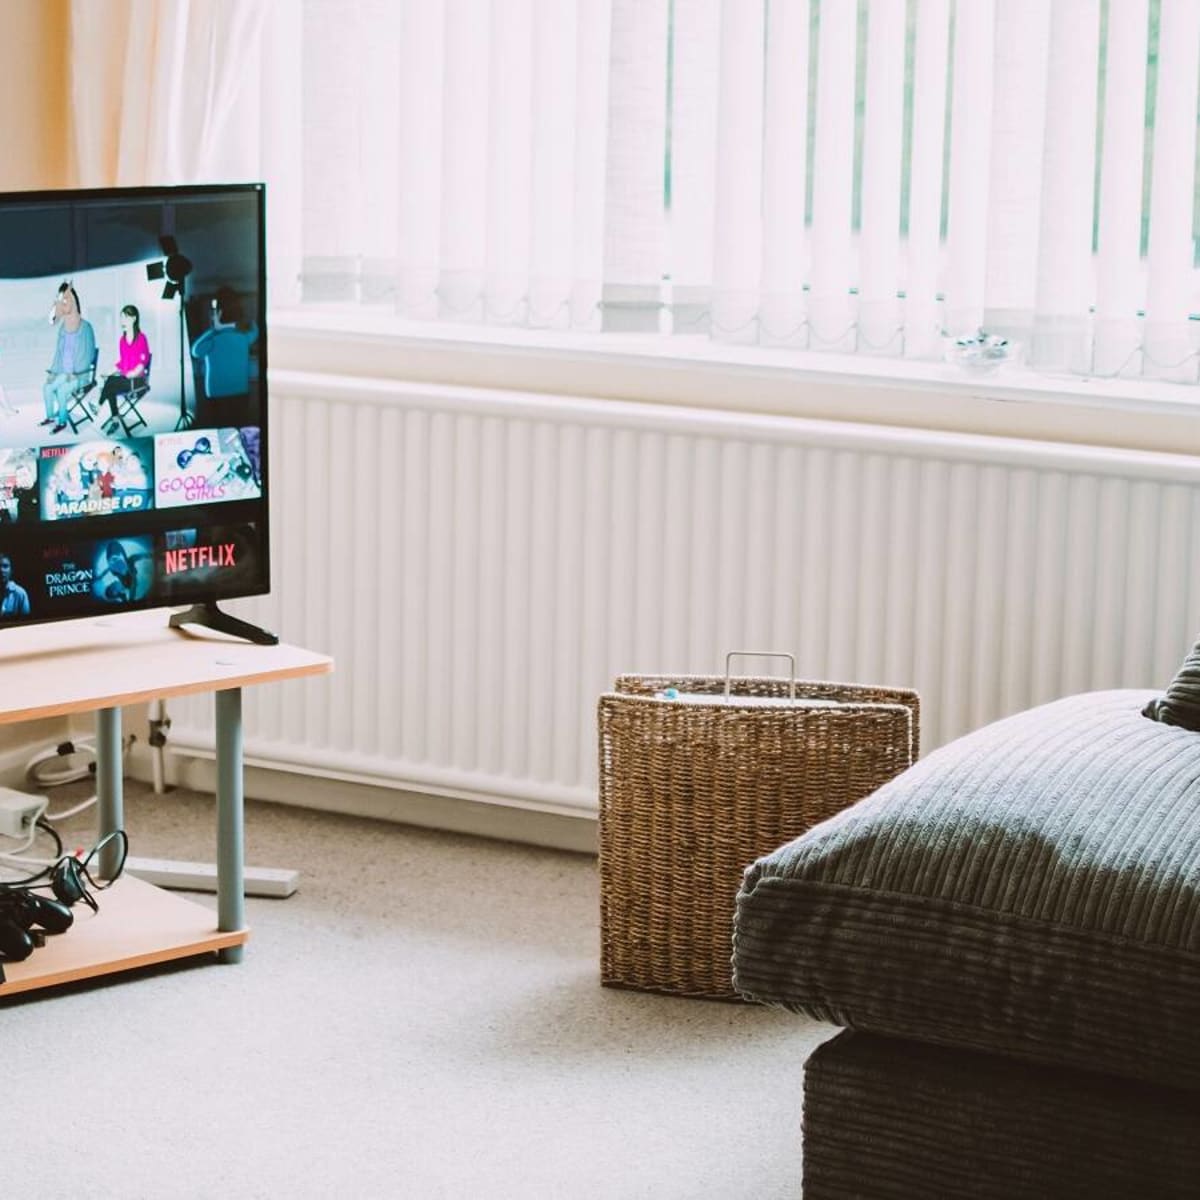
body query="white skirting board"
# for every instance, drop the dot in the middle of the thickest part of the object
(457, 815)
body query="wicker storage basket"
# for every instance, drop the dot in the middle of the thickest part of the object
(692, 793)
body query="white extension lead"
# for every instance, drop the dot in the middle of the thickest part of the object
(75, 760)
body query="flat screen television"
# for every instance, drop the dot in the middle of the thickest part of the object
(133, 402)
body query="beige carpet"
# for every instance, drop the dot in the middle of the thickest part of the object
(423, 1019)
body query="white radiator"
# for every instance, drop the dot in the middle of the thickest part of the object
(482, 564)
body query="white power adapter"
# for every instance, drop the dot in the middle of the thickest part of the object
(18, 810)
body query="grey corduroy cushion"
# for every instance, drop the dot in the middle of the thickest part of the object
(1030, 889)
(1180, 705)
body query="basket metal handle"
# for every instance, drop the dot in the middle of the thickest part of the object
(763, 654)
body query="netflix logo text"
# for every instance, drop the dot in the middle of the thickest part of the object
(191, 558)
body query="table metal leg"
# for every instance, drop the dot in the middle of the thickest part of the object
(110, 800)
(231, 903)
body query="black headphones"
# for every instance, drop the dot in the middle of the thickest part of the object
(26, 917)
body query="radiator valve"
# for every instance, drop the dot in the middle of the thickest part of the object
(158, 731)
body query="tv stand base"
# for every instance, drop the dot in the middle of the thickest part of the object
(211, 617)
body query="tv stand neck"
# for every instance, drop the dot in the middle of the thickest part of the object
(212, 617)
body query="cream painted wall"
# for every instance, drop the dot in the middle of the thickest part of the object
(34, 134)
(34, 108)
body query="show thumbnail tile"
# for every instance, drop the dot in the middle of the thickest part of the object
(15, 583)
(112, 571)
(18, 486)
(204, 466)
(100, 478)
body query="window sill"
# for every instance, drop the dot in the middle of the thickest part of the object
(700, 373)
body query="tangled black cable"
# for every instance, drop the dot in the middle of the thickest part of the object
(69, 876)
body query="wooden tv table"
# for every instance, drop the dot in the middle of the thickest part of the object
(99, 665)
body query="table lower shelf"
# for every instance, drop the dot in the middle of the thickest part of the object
(138, 924)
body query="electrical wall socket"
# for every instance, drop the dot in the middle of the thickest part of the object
(17, 811)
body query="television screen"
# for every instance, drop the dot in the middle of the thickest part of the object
(133, 400)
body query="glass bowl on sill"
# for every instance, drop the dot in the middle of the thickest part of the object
(979, 353)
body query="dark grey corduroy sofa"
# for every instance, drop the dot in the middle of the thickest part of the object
(1010, 934)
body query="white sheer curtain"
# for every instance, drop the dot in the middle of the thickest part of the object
(170, 92)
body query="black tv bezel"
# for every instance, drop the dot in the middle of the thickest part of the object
(168, 194)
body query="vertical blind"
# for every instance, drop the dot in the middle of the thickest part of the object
(864, 176)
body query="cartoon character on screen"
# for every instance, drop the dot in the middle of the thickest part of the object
(104, 477)
(14, 599)
(123, 575)
(18, 484)
(224, 349)
(84, 481)
(124, 469)
(74, 357)
(133, 362)
(26, 482)
(125, 473)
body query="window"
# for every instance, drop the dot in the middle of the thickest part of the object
(866, 176)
